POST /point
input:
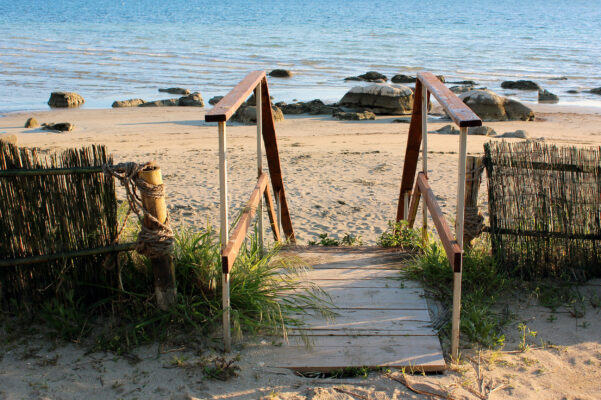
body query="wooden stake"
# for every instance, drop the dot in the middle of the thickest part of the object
(162, 266)
(225, 291)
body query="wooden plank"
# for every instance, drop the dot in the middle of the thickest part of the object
(351, 274)
(271, 213)
(330, 353)
(232, 101)
(380, 298)
(449, 243)
(273, 160)
(386, 320)
(230, 252)
(459, 112)
(364, 283)
(413, 206)
(414, 141)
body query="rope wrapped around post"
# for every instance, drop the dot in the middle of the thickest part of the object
(145, 194)
(151, 242)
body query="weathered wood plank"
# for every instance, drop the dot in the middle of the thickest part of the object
(328, 353)
(229, 253)
(449, 243)
(459, 112)
(364, 283)
(380, 298)
(232, 101)
(369, 319)
(352, 274)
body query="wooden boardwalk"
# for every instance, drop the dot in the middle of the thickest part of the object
(381, 320)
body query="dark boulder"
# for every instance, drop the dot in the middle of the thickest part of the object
(520, 85)
(175, 90)
(373, 76)
(59, 127)
(31, 123)
(65, 99)
(214, 100)
(544, 96)
(280, 73)
(400, 78)
(191, 100)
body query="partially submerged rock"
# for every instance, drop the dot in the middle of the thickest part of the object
(191, 100)
(380, 99)
(313, 107)
(65, 99)
(354, 116)
(489, 106)
(544, 96)
(280, 73)
(596, 91)
(128, 103)
(214, 100)
(520, 85)
(161, 103)
(59, 127)
(31, 123)
(481, 131)
(369, 76)
(401, 78)
(248, 114)
(175, 90)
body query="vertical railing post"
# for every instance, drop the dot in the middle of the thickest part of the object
(278, 206)
(224, 235)
(424, 113)
(260, 163)
(406, 206)
(459, 237)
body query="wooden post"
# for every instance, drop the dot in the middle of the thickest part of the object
(424, 127)
(224, 235)
(459, 237)
(162, 266)
(260, 164)
(473, 177)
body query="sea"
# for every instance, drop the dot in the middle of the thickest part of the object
(110, 50)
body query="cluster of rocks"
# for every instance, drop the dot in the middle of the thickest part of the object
(544, 96)
(482, 131)
(369, 76)
(51, 126)
(189, 100)
(65, 100)
(313, 107)
(247, 112)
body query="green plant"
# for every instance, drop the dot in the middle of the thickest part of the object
(350, 240)
(324, 240)
(483, 282)
(399, 234)
(525, 333)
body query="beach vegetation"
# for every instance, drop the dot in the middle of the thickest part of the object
(399, 234)
(326, 241)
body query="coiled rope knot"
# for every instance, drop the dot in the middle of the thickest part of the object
(156, 240)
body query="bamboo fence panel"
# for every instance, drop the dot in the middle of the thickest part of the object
(49, 214)
(545, 209)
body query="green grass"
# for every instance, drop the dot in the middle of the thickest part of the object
(400, 235)
(483, 283)
(265, 295)
(347, 240)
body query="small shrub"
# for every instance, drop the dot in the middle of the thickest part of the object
(399, 234)
(324, 240)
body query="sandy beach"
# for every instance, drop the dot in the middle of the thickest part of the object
(341, 177)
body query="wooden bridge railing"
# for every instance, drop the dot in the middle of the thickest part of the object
(230, 244)
(427, 83)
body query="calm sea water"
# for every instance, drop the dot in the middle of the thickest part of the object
(108, 50)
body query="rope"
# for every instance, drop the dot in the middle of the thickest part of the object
(157, 240)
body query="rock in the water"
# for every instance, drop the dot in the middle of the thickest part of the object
(60, 127)
(468, 83)
(313, 107)
(12, 139)
(214, 100)
(401, 78)
(461, 89)
(65, 99)
(447, 130)
(544, 96)
(380, 99)
(192, 100)
(481, 131)
(353, 78)
(161, 103)
(373, 76)
(280, 73)
(520, 85)
(354, 116)
(128, 103)
(31, 123)
(596, 91)
(175, 90)
(573, 91)
(441, 78)
(489, 106)
(559, 78)
(519, 134)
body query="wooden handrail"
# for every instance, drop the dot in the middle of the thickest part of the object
(230, 252)
(461, 114)
(232, 101)
(449, 242)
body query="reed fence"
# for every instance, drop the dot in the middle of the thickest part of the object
(545, 209)
(51, 209)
